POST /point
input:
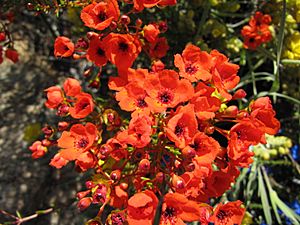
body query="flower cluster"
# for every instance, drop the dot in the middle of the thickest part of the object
(182, 142)
(6, 42)
(257, 32)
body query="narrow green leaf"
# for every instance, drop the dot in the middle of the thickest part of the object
(264, 198)
(265, 93)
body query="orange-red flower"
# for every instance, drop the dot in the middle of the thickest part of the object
(159, 48)
(205, 104)
(63, 47)
(194, 64)
(177, 208)
(139, 5)
(242, 135)
(182, 127)
(119, 197)
(38, 150)
(12, 54)
(121, 49)
(257, 32)
(166, 90)
(83, 106)
(151, 32)
(224, 74)
(204, 146)
(230, 213)
(54, 97)
(72, 87)
(262, 110)
(58, 162)
(96, 51)
(76, 142)
(141, 208)
(100, 15)
(138, 132)
(85, 161)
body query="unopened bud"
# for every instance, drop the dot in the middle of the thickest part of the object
(63, 125)
(178, 182)
(62, 110)
(138, 22)
(125, 19)
(144, 165)
(84, 203)
(124, 186)
(115, 175)
(82, 194)
(188, 152)
(89, 184)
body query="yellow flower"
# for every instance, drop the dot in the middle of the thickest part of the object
(292, 50)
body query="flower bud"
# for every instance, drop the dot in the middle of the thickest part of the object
(209, 130)
(115, 175)
(47, 130)
(124, 186)
(159, 177)
(46, 143)
(84, 203)
(138, 22)
(89, 184)
(113, 25)
(91, 35)
(231, 111)
(144, 165)
(188, 152)
(82, 194)
(240, 93)
(178, 182)
(125, 19)
(63, 125)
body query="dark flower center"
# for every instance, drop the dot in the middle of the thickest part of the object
(224, 216)
(165, 97)
(123, 46)
(100, 52)
(117, 219)
(190, 69)
(102, 16)
(141, 103)
(170, 214)
(251, 40)
(82, 143)
(179, 130)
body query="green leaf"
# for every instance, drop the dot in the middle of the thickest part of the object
(264, 198)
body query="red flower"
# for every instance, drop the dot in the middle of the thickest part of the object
(257, 32)
(141, 208)
(138, 132)
(100, 15)
(85, 161)
(121, 49)
(224, 74)
(119, 197)
(76, 142)
(72, 87)
(205, 104)
(12, 54)
(228, 214)
(38, 150)
(204, 146)
(58, 161)
(63, 47)
(166, 90)
(151, 32)
(55, 97)
(177, 208)
(182, 127)
(194, 64)
(96, 52)
(139, 5)
(159, 48)
(242, 135)
(83, 106)
(262, 110)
